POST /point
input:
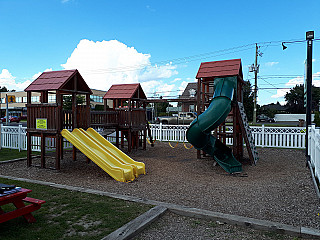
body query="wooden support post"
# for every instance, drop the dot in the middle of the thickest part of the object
(235, 132)
(199, 108)
(122, 139)
(144, 139)
(74, 153)
(129, 139)
(117, 137)
(60, 142)
(44, 97)
(43, 150)
(74, 111)
(59, 149)
(89, 111)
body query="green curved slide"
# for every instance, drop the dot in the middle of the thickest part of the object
(199, 132)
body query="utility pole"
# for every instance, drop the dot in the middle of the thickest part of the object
(309, 38)
(256, 69)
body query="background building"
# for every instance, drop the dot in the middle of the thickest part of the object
(17, 101)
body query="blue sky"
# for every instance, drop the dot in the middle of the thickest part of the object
(157, 43)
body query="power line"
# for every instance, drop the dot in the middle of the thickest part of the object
(191, 58)
(176, 62)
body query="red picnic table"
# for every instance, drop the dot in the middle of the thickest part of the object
(18, 199)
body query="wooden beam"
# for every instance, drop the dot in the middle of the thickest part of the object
(43, 150)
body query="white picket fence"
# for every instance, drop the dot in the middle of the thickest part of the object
(15, 137)
(282, 137)
(314, 149)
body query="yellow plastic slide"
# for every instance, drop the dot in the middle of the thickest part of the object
(98, 153)
(138, 167)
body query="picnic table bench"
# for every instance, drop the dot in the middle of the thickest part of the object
(18, 199)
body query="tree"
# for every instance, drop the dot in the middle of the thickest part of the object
(67, 101)
(3, 89)
(248, 100)
(295, 99)
(161, 108)
(317, 118)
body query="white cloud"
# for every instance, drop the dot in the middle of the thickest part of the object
(280, 93)
(270, 64)
(35, 76)
(176, 80)
(104, 63)
(150, 87)
(166, 89)
(296, 81)
(9, 81)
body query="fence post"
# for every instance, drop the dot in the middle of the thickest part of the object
(262, 137)
(1, 135)
(19, 137)
(309, 139)
(160, 135)
(316, 161)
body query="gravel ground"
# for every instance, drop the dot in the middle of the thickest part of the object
(279, 188)
(172, 226)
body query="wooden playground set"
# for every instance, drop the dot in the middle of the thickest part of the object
(127, 116)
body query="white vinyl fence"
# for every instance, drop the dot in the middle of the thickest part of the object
(283, 137)
(314, 149)
(15, 137)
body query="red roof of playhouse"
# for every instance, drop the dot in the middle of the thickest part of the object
(125, 91)
(220, 69)
(59, 80)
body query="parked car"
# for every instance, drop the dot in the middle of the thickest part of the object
(180, 118)
(11, 119)
(264, 118)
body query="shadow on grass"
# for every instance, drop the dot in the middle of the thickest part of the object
(69, 215)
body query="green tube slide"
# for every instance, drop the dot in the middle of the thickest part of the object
(199, 132)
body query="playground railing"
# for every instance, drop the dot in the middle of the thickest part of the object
(314, 149)
(282, 137)
(100, 119)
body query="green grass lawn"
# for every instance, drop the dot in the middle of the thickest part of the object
(69, 215)
(8, 154)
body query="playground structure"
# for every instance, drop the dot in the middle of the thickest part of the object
(129, 105)
(220, 94)
(47, 120)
